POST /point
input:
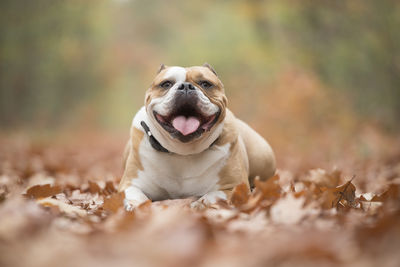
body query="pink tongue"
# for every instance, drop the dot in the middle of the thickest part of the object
(186, 125)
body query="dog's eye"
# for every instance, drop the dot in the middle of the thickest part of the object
(166, 84)
(205, 84)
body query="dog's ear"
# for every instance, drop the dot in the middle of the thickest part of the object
(162, 66)
(210, 68)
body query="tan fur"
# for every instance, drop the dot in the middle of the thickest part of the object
(155, 90)
(154, 93)
(260, 155)
(236, 169)
(132, 162)
(210, 68)
(251, 155)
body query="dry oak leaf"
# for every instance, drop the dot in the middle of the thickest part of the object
(270, 188)
(119, 221)
(264, 194)
(63, 207)
(240, 195)
(109, 188)
(392, 193)
(341, 196)
(114, 202)
(253, 202)
(43, 191)
(94, 187)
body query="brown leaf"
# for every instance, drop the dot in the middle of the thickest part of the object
(109, 188)
(114, 202)
(240, 195)
(347, 192)
(86, 200)
(343, 195)
(120, 221)
(43, 191)
(252, 203)
(392, 193)
(94, 187)
(264, 195)
(63, 207)
(270, 188)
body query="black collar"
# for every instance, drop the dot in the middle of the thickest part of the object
(153, 141)
(155, 144)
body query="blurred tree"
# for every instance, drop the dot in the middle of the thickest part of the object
(50, 53)
(58, 58)
(353, 45)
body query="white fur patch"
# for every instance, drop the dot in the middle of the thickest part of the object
(176, 73)
(206, 106)
(167, 175)
(139, 117)
(134, 197)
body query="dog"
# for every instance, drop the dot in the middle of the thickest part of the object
(185, 142)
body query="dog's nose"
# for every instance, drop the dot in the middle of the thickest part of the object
(186, 86)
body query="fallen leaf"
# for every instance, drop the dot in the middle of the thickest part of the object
(114, 202)
(94, 187)
(43, 191)
(343, 195)
(392, 193)
(109, 188)
(62, 207)
(240, 195)
(270, 188)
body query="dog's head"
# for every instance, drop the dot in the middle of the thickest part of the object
(186, 108)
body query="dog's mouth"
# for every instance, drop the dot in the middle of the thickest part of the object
(186, 122)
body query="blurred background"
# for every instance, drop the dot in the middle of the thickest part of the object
(319, 79)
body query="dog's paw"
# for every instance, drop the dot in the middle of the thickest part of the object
(134, 197)
(197, 205)
(208, 200)
(131, 205)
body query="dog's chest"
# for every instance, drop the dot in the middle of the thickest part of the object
(167, 175)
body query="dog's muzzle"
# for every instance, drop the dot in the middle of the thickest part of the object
(186, 121)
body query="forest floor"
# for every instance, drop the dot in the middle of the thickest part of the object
(59, 207)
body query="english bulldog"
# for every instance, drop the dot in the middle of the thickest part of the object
(185, 142)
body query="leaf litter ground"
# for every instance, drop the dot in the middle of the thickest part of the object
(59, 207)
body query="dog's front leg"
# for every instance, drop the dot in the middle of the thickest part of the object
(133, 198)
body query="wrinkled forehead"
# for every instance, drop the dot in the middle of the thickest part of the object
(180, 74)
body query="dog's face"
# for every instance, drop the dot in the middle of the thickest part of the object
(187, 104)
